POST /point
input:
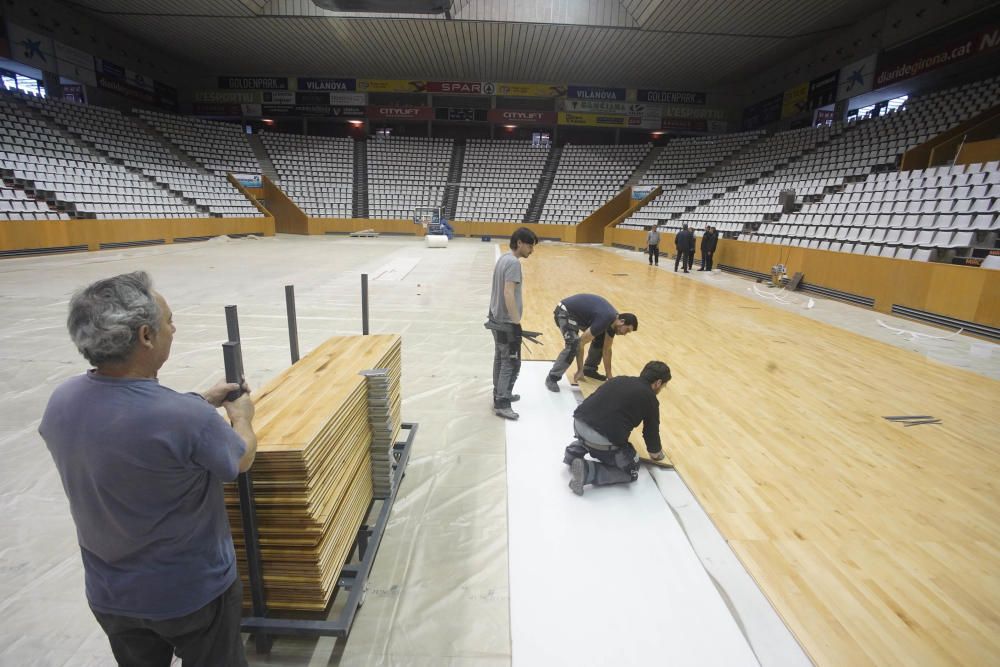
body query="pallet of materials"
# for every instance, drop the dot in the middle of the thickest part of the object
(314, 476)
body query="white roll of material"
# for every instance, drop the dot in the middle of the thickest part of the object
(436, 241)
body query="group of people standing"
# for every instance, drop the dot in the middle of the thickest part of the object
(604, 421)
(684, 243)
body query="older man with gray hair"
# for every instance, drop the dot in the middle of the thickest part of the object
(143, 468)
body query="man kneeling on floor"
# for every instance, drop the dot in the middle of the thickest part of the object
(603, 422)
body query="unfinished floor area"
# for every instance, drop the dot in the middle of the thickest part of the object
(875, 542)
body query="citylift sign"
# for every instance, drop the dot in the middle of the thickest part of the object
(400, 113)
(515, 117)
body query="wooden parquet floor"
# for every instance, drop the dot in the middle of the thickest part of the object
(878, 544)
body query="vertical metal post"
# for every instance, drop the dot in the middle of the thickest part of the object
(364, 304)
(233, 359)
(293, 327)
(232, 324)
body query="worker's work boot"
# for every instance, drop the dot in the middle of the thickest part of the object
(596, 375)
(506, 413)
(577, 476)
(551, 383)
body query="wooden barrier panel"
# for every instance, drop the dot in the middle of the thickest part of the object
(288, 218)
(961, 292)
(44, 234)
(591, 228)
(979, 151)
(251, 194)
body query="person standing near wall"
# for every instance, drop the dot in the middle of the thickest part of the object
(653, 245)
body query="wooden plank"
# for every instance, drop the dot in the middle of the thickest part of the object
(313, 472)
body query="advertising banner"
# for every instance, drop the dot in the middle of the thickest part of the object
(462, 87)
(681, 111)
(669, 97)
(596, 93)
(651, 112)
(857, 78)
(823, 90)
(514, 117)
(685, 124)
(253, 82)
(603, 120)
(228, 96)
(162, 95)
(795, 100)
(278, 97)
(138, 80)
(75, 64)
(642, 191)
(400, 113)
(334, 99)
(325, 84)
(349, 99)
(762, 113)
(391, 86)
(348, 111)
(249, 180)
(312, 98)
(31, 48)
(530, 90)
(962, 41)
(460, 113)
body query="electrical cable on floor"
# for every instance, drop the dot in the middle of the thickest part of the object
(914, 335)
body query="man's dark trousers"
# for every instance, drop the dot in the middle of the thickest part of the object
(208, 637)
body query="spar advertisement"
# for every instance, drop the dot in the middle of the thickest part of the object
(964, 40)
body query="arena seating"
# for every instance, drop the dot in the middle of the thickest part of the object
(849, 196)
(115, 136)
(586, 178)
(316, 172)
(68, 178)
(405, 173)
(499, 178)
(676, 169)
(218, 147)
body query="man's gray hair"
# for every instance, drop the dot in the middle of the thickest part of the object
(105, 317)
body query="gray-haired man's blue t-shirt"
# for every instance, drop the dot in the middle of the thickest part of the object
(143, 468)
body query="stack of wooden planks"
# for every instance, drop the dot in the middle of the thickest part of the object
(313, 473)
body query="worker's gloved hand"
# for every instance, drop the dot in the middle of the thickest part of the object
(658, 456)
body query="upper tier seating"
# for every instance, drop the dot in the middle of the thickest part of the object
(69, 178)
(849, 197)
(586, 178)
(405, 173)
(499, 178)
(218, 147)
(316, 172)
(115, 136)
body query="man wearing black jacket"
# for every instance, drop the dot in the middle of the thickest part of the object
(602, 425)
(684, 242)
(708, 244)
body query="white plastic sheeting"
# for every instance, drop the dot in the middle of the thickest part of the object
(607, 578)
(438, 591)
